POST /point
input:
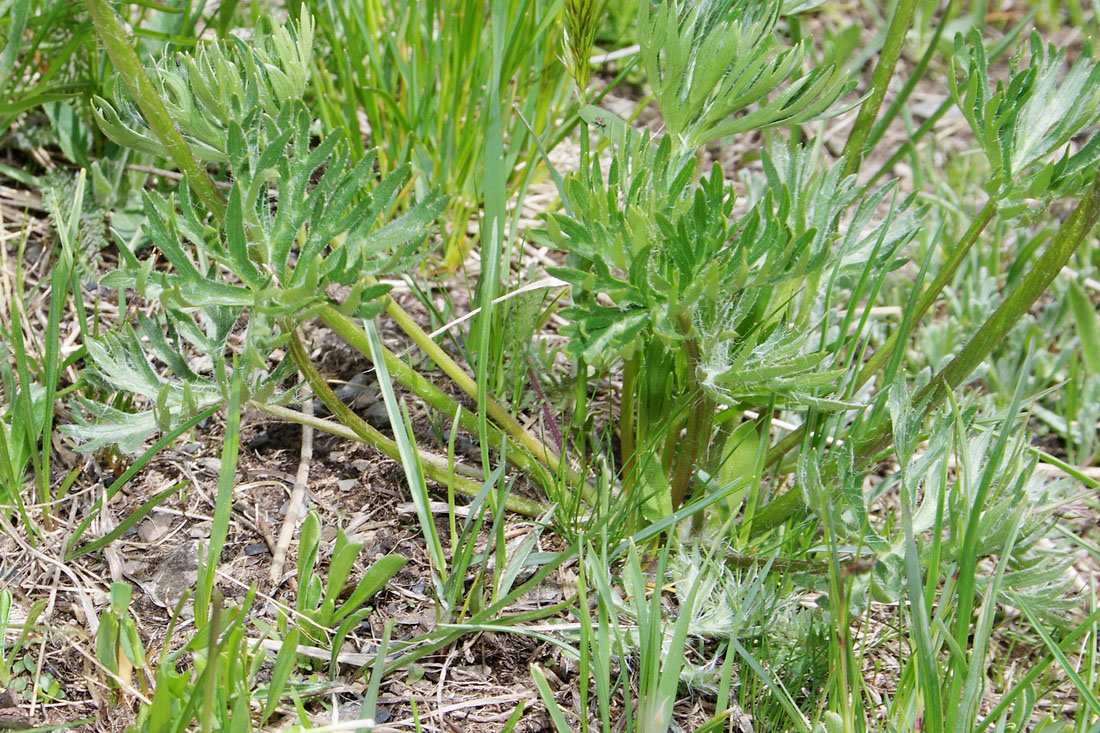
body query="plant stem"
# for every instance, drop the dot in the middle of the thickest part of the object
(340, 430)
(880, 80)
(580, 397)
(354, 336)
(435, 467)
(145, 95)
(627, 444)
(1072, 234)
(915, 76)
(698, 431)
(881, 355)
(699, 425)
(509, 424)
(1080, 223)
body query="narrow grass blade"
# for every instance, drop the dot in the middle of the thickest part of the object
(410, 458)
(1083, 688)
(223, 503)
(774, 685)
(548, 700)
(370, 700)
(124, 526)
(280, 673)
(968, 555)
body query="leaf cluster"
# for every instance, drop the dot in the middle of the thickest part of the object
(300, 221)
(225, 81)
(1021, 122)
(657, 256)
(708, 61)
(319, 600)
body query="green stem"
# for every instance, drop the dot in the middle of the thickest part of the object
(509, 424)
(880, 357)
(880, 80)
(627, 436)
(695, 440)
(580, 400)
(343, 431)
(915, 77)
(997, 327)
(144, 94)
(354, 336)
(932, 294)
(991, 333)
(435, 467)
(700, 421)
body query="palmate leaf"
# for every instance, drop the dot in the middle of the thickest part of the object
(122, 362)
(603, 334)
(172, 395)
(110, 427)
(775, 368)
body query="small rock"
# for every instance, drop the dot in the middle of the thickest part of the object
(376, 415)
(258, 548)
(199, 530)
(359, 392)
(347, 484)
(155, 527)
(172, 576)
(354, 711)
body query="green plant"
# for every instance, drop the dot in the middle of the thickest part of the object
(319, 599)
(762, 386)
(702, 307)
(709, 61)
(41, 57)
(118, 646)
(719, 319)
(1021, 127)
(604, 643)
(424, 90)
(35, 383)
(16, 667)
(283, 262)
(216, 694)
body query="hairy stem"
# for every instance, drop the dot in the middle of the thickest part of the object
(880, 80)
(700, 421)
(915, 77)
(144, 94)
(882, 355)
(435, 467)
(1076, 229)
(695, 441)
